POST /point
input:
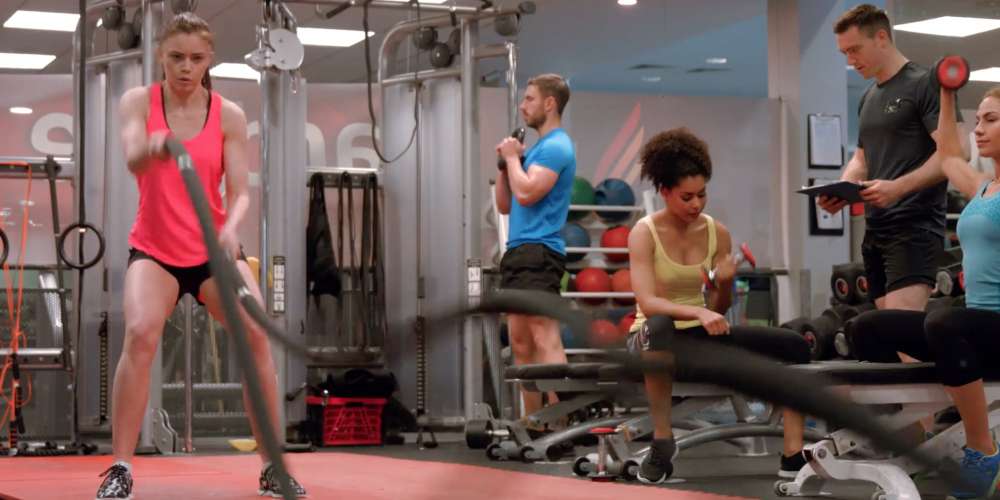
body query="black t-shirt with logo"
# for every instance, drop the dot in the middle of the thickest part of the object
(896, 119)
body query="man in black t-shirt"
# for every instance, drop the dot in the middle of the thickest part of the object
(896, 161)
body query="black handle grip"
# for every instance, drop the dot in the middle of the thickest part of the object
(518, 134)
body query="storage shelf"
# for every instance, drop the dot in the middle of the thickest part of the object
(597, 250)
(605, 208)
(600, 264)
(598, 295)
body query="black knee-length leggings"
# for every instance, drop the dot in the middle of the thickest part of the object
(778, 343)
(963, 343)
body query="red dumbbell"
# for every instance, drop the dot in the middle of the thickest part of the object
(951, 72)
(745, 255)
(601, 474)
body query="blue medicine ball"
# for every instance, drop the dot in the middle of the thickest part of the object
(575, 236)
(614, 192)
(568, 339)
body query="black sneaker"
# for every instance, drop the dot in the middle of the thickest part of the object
(269, 485)
(658, 464)
(790, 466)
(117, 484)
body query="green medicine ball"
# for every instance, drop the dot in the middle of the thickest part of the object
(582, 194)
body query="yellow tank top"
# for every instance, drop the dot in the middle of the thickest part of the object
(681, 284)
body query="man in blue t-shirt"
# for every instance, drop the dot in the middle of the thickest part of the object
(536, 194)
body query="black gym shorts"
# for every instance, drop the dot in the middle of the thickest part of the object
(532, 266)
(897, 258)
(189, 279)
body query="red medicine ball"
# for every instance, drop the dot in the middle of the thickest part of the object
(616, 237)
(621, 281)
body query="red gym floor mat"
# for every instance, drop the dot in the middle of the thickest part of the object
(325, 475)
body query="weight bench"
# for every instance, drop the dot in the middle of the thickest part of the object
(904, 393)
(915, 392)
(607, 382)
(584, 404)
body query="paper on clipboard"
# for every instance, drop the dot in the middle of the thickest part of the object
(825, 141)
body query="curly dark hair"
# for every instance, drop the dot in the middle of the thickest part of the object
(673, 155)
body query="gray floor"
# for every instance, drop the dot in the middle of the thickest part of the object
(713, 468)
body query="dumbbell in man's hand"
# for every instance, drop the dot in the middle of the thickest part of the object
(518, 134)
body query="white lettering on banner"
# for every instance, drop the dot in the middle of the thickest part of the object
(347, 152)
(316, 145)
(40, 134)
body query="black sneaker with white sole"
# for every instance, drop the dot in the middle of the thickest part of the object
(658, 464)
(269, 485)
(790, 466)
(117, 484)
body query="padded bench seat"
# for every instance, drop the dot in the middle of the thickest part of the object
(845, 371)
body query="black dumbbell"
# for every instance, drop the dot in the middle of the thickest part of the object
(951, 72)
(441, 55)
(455, 41)
(821, 333)
(844, 282)
(130, 34)
(861, 288)
(843, 343)
(507, 25)
(805, 326)
(947, 283)
(518, 134)
(425, 37)
(480, 433)
(113, 17)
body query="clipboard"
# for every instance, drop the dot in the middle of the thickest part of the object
(845, 190)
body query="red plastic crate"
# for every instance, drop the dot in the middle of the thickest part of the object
(349, 421)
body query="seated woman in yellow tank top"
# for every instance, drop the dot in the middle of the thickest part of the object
(668, 249)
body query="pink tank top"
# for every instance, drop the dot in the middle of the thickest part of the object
(166, 226)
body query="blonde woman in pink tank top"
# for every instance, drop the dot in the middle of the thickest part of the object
(667, 251)
(168, 257)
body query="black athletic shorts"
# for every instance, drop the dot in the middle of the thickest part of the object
(897, 258)
(532, 266)
(189, 279)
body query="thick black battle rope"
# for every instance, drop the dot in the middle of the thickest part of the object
(225, 273)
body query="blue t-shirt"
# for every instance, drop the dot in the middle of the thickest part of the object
(979, 232)
(541, 222)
